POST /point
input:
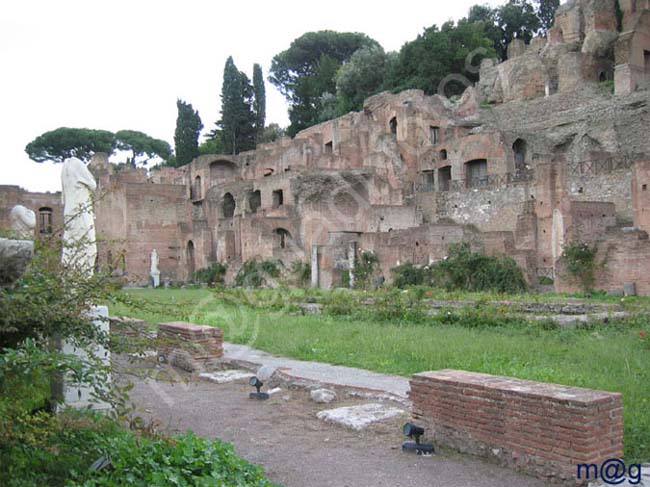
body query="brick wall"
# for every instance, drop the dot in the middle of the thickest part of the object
(542, 429)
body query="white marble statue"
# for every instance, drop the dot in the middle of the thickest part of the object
(23, 222)
(79, 245)
(155, 272)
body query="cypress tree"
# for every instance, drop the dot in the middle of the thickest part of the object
(237, 122)
(259, 101)
(186, 137)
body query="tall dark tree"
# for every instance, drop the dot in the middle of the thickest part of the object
(186, 137)
(237, 122)
(307, 70)
(59, 144)
(259, 101)
(142, 146)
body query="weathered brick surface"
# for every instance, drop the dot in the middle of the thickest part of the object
(189, 346)
(543, 429)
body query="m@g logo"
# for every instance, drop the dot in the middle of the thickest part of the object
(613, 471)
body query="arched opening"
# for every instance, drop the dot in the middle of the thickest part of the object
(190, 259)
(476, 173)
(45, 220)
(254, 200)
(196, 188)
(228, 205)
(283, 238)
(222, 171)
(519, 151)
(443, 155)
(393, 125)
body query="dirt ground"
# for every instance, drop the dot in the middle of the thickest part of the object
(297, 449)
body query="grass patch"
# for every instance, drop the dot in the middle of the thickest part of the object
(392, 336)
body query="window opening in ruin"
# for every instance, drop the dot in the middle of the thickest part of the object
(255, 201)
(329, 147)
(190, 259)
(278, 198)
(519, 150)
(644, 187)
(196, 188)
(228, 205)
(393, 125)
(646, 59)
(476, 173)
(444, 178)
(435, 134)
(443, 155)
(45, 220)
(284, 237)
(427, 181)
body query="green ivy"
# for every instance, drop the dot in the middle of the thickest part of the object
(581, 263)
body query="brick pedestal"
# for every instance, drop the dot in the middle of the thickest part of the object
(542, 429)
(188, 346)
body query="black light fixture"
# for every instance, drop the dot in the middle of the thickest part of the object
(257, 384)
(415, 432)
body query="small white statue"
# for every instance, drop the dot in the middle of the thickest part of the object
(79, 244)
(23, 222)
(155, 272)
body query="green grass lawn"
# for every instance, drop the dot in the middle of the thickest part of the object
(609, 357)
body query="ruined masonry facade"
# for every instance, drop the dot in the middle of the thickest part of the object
(540, 153)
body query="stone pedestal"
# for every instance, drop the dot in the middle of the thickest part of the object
(80, 395)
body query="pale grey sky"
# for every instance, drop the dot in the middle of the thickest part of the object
(121, 64)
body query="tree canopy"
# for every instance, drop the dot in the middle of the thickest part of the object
(143, 147)
(427, 62)
(59, 144)
(259, 101)
(308, 68)
(186, 137)
(237, 123)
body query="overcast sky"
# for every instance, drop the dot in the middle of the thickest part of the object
(122, 64)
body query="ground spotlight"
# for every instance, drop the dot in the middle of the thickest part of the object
(415, 432)
(257, 384)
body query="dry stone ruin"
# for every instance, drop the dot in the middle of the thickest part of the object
(550, 147)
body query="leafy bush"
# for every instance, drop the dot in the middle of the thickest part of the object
(581, 263)
(364, 269)
(464, 270)
(212, 275)
(255, 273)
(301, 272)
(58, 450)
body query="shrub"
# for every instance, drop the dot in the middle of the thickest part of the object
(581, 263)
(464, 270)
(57, 451)
(256, 273)
(301, 272)
(212, 275)
(364, 269)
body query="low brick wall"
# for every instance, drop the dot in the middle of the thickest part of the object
(188, 346)
(542, 429)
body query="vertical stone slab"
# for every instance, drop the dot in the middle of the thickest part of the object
(352, 254)
(79, 395)
(314, 266)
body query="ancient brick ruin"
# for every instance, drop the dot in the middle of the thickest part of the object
(538, 154)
